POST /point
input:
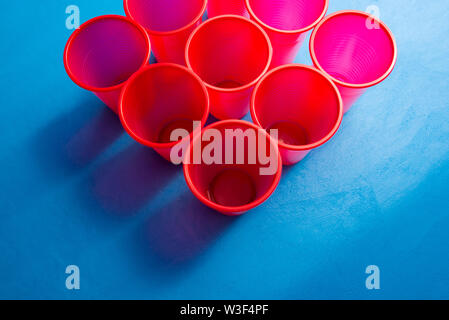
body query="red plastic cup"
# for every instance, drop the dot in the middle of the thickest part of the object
(225, 183)
(286, 23)
(159, 99)
(223, 7)
(103, 53)
(169, 24)
(230, 54)
(302, 104)
(353, 53)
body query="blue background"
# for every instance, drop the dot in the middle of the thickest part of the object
(75, 189)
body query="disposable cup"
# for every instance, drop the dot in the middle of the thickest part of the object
(355, 49)
(239, 168)
(169, 24)
(230, 54)
(301, 104)
(103, 53)
(286, 23)
(160, 99)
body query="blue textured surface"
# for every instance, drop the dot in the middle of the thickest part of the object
(77, 190)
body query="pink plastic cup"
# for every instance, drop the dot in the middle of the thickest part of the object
(222, 7)
(160, 99)
(230, 54)
(169, 24)
(286, 23)
(353, 53)
(302, 104)
(235, 186)
(103, 53)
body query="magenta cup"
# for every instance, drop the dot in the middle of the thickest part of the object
(302, 104)
(355, 52)
(238, 166)
(230, 54)
(103, 53)
(286, 23)
(160, 99)
(169, 24)
(222, 7)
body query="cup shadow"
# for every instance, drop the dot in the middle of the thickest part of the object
(210, 120)
(93, 139)
(175, 237)
(70, 142)
(124, 184)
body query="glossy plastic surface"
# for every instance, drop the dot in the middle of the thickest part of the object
(159, 99)
(286, 23)
(356, 50)
(95, 59)
(222, 7)
(300, 102)
(169, 24)
(230, 54)
(233, 188)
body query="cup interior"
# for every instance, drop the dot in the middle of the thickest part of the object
(350, 51)
(165, 15)
(160, 100)
(300, 103)
(106, 52)
(234, 184)
(288, 15)
(229, 52)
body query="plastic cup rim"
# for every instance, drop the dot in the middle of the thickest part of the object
(81, 29)
(231, 16)
(227, 209)
(281, 31)
(320, 73)
(346, 84)
(152, 144)
(170, 32)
